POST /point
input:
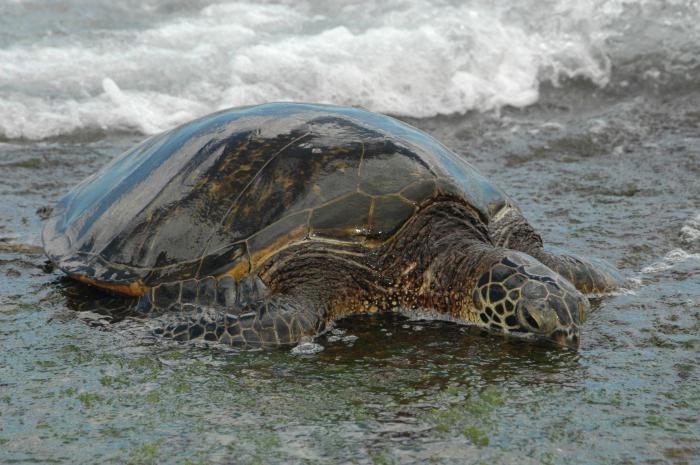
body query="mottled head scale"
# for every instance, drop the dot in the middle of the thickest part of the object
(520, 296)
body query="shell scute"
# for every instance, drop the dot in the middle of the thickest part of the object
(345, 218)
(389, 213)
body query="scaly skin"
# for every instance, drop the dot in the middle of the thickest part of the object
(441, 264)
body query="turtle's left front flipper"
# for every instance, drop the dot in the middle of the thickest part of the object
(241, 314)
(278, 321)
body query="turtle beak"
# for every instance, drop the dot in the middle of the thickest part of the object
(560, 338)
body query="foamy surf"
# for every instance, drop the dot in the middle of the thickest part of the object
(405, 58)
(690, 231)
(670, 260)
(147, 67)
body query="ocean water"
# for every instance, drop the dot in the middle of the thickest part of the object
(70, 66)
(586, 112)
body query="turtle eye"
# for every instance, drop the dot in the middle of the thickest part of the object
(529, 319)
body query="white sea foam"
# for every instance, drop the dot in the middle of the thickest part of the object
(690, 231)
(307, 348)
(404, 57)
(670, 260)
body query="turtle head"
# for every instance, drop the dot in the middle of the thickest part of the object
(521, 296)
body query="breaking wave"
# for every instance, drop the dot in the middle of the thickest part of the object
(150, 65)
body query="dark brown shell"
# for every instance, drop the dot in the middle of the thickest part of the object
(221, 194)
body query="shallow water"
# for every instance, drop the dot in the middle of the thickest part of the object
(617, 180)
(605, 171)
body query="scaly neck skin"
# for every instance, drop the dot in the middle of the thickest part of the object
(511, 230)
(431, 264)
(437, 259)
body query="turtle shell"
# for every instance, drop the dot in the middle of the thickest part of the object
(223, 193)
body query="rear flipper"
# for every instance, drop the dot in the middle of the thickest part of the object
(239, 314)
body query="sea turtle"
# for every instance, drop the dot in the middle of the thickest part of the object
(262, 225)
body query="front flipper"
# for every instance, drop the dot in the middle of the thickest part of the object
(588, 275)
(511, 230)
(278, 321)
(241, 314)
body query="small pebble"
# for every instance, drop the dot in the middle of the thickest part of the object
(350, 338)
(307, 348)
(12, 273)
(44, 212)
